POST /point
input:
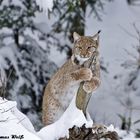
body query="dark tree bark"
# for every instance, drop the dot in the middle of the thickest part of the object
(94, 133)
(16, 37)
(82, 98)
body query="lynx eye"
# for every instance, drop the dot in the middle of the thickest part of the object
(79, 48)
(91, 48)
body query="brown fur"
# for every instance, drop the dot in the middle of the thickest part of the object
(60, 91)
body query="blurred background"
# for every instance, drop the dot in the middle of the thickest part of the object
(34, 45)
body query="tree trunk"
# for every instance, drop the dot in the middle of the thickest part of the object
(82, 98)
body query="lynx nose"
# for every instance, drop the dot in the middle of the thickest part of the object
(84, 56)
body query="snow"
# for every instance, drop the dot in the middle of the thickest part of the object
(16, 62)
(71, 117)
(9, 52)
(125, 136)
(45, 4)
(13, 122)
(110, 128)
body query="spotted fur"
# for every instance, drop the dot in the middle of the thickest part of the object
(64, 83)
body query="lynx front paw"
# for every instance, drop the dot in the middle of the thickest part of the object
(91, 85)
(88, 87)
(85, 74)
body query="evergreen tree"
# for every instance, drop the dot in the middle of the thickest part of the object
(24, 48)
(72, 18)
(24, 56)
(128, 89)
(133, 2)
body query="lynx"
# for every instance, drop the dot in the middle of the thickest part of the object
(65, 82)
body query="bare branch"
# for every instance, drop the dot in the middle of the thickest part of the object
(2, 85)
(130, 34)
(7, 109)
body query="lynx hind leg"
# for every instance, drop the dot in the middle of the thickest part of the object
(83, 74)
(92, 85)
(51, 112)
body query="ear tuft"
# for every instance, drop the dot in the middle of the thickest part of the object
(96, 36)
(76, 36)
(99, 31)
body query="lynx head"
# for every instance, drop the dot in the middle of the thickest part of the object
(84, 47)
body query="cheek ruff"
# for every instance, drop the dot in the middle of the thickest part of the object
(79, 60)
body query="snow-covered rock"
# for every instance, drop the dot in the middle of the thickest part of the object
(71, 117)
(16, 124)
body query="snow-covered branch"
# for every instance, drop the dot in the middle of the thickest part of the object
(45, 5)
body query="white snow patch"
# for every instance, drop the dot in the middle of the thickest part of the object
(45, 4)
(111, 128)
(13, 122)
(71, 117)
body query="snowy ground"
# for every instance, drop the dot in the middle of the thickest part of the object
(15, 124)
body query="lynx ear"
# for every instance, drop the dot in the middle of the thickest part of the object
(76, 36)
(96, 37)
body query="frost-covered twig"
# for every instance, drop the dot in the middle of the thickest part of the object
(7, 109)
(136, 58)
(3, 82)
